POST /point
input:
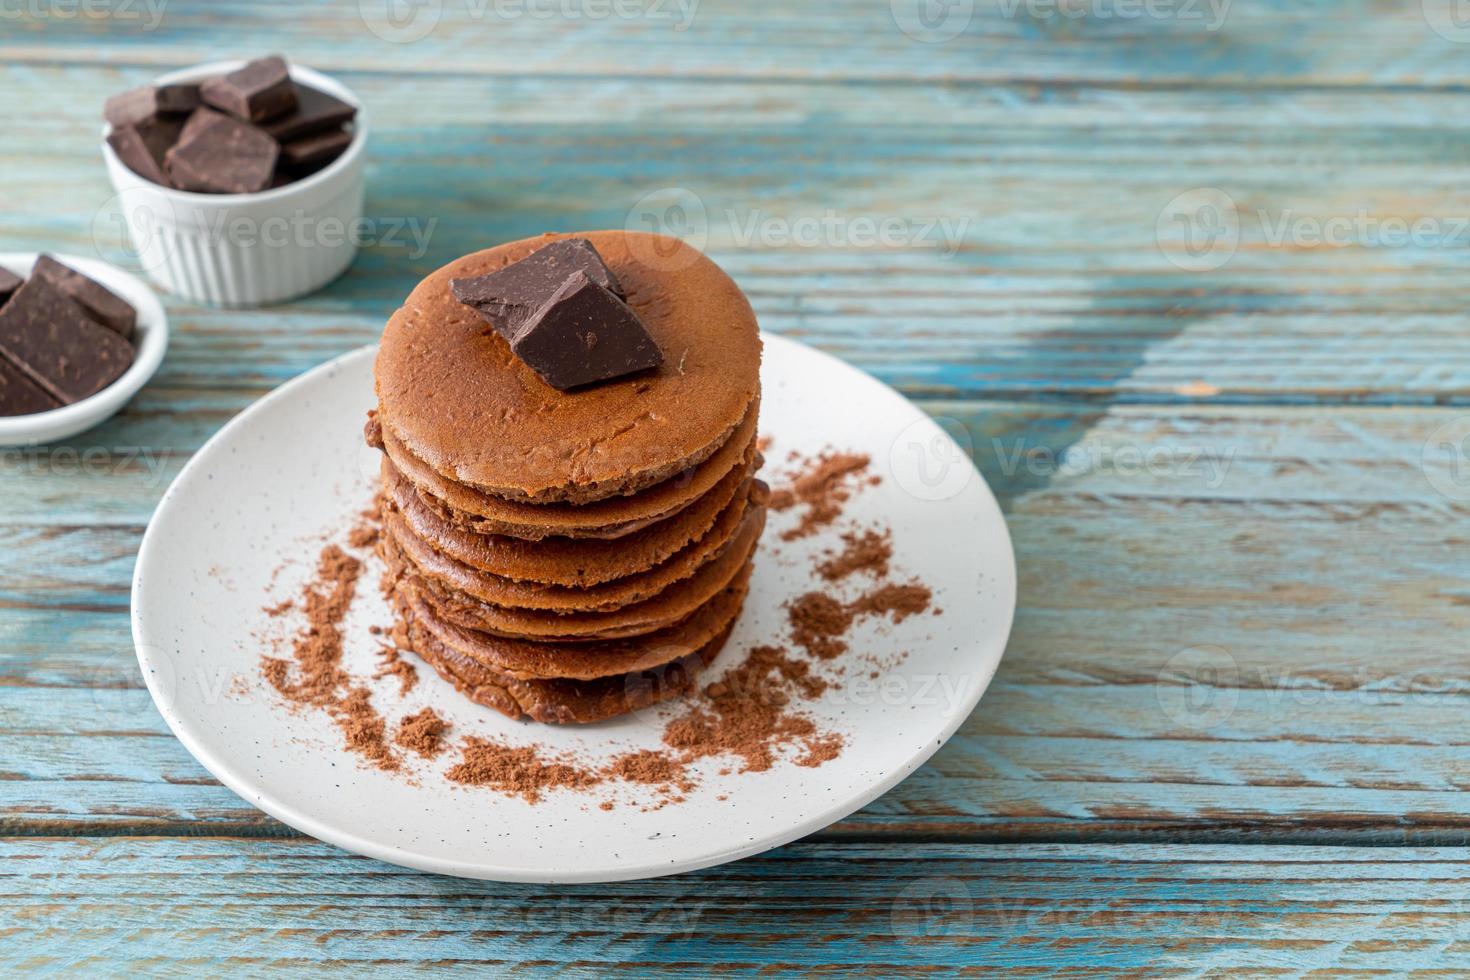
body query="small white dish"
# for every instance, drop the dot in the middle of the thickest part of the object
(246, 250)
(150, 340)
(241, 528)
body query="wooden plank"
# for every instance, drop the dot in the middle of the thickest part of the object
(1239, 43)
(174, 907)
(123, 773)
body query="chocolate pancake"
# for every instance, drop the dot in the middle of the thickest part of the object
(561, 702)
(454, 395)
(533, 660)
(451, 574)
(572, 562)
(612, 518)
(662, 609)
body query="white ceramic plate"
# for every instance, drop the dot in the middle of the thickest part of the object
(291, 473)
(151, 341)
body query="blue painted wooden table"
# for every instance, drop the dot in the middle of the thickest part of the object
(1187, 277)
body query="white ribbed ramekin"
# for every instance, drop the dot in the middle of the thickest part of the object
(248, 249)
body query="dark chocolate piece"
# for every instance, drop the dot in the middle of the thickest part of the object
(9, 283)
(583, 334)
(219, 155)
(508, 296)
(318, 148)
(315, 111)
(140, 104)
(142, 146)
(259, 91)
(19, 395)
(53, 343)
(96, 300)
(198, 121)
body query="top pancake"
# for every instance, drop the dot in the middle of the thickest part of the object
(454, 395)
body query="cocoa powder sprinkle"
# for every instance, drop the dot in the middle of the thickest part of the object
(823, 488)
(364, 728)
(867, 551)
(898, 602)
(392, 664)
(422, 733)
(517, 770)
(314, 675)
(746, 714)
(819, 621)
(817, 624)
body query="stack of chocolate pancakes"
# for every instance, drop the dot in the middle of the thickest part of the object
(571, 555)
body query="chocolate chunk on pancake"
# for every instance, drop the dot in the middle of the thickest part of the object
(9, 283)
(510, 294)
(452, 392)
